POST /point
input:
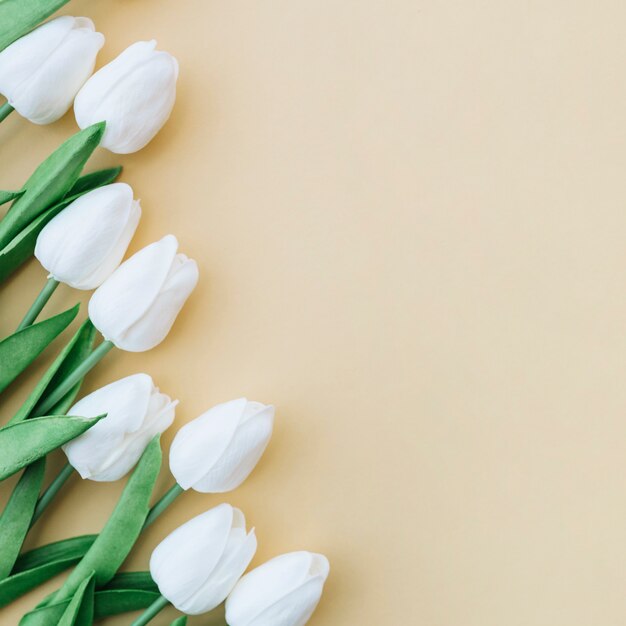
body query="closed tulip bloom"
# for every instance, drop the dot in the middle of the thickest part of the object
(41, 73)
(137, 305)
(84, 243)
(282, 592)
(217, 451)
(135, 412)
(197, 565)
(134, 95)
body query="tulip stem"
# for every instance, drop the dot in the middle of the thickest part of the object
(90, 362)
(39, 303)
(156, 607)
(5, 110)
(53, 488)
(162, 504)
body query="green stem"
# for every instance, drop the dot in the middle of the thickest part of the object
(162, 504)
(5, 110)
(39, 303)
(156, 607)
(52, 490)
(90, 362)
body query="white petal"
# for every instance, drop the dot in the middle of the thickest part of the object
(239, 551)
(84, 243)
(241, 456)
(135, 95)
(130, 291)
(42, 75)
(153, 327)
(26, 55)
(199, 444)
(285, 588)
(126, 403)
(184, 560)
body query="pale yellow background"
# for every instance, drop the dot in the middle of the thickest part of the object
(410, 222)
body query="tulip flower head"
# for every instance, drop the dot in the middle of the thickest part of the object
(134, 95)
(41, 73)
(217, 451)
(85, 243)
(137, 305)
(197, 565)
(135, 412)
(282, 592)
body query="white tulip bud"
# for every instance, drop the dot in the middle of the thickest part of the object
(41, 73)
(135, 412)
(84, 243)
(197, 565)
(137, 305)
(282, 592)
(134, 95)
(217, 451)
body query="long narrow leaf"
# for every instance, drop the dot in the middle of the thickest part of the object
(107, 603)
(20, 349)
(51, 181)
(79, 611)
(18, 512)
(121, 531)
(7, 196)
(17, 17)
(17, 585)
(73, 548)
(72, 354)
(25, 442)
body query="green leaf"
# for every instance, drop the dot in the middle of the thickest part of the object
(107, 603)
(121, 531)
(39, 565)
(93, 180)
(18, 17)
(79, 611)
(25, 442)
(17, 585)
(132, 580)
(74, 353)
(21, 248)
(180, 621)
(15, 519)
(7, 196)
(51, 181)
(20, 349)
(66, 549)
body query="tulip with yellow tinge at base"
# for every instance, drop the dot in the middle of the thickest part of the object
(134, 95)
(282, 592)
(137, 305)
(196, 566)
(86, 242)
(216, 452)
(41, 73)
(135, 412)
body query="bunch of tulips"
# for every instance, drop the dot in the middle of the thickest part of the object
(79, 226)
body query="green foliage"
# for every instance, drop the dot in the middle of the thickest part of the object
(20, 349)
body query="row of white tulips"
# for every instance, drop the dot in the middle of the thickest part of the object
(201, 563)
(44, 72)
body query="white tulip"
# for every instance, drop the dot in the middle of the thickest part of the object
(217, 451)
(41, 73)
(134, 94)
(135, 412)
(197, 565)
(84, 243)
(282, 592)
(137, 305)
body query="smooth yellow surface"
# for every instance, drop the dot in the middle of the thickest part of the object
(410, 219)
